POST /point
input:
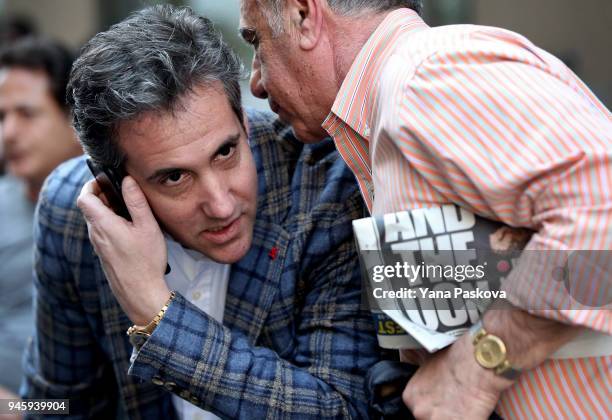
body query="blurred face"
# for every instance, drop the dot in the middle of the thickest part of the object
(287, 77)
(197, 172)
(36, 133)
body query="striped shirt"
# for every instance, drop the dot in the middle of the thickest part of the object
(482, 118)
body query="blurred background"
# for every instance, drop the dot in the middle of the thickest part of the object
(578, 32)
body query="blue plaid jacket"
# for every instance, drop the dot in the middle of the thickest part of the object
(294, 342)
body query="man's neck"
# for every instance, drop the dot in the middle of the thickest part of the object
(349, 35)
(32, 190)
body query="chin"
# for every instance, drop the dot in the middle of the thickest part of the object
(15, 169)
(308, 137)
(231, 253)
(227, 257)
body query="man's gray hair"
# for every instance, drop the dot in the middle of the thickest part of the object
(148, 62)
(272, 9)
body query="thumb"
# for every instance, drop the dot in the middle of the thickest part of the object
(136, 202)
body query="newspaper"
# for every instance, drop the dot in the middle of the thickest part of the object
(416, 255)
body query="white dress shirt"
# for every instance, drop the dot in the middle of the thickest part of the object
(202, 282)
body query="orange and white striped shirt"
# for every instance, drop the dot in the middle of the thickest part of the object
(480, 117)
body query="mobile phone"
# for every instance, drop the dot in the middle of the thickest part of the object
(109, 179)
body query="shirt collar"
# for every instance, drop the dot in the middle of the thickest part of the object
(364, 71)
(187, 265)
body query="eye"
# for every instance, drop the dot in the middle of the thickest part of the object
(28, 112)
(226, 151)
(173, 178)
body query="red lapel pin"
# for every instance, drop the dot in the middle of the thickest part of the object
(273, 253)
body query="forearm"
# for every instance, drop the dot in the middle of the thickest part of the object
(529, 340)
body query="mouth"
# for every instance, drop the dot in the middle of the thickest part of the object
(13, 155)
(14, 160)
(222, 234)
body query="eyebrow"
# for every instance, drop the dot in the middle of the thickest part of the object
(230, 140)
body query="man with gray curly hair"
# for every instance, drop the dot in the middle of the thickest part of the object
(260, 315)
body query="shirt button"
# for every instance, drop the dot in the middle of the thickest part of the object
(196, 295)
(157, 381)
(170, 386)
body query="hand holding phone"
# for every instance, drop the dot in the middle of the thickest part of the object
(110, 179)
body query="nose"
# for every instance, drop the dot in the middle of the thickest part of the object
(9, 128)
(257, 87)
(218, 201)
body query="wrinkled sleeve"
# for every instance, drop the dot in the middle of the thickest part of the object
(498, 130)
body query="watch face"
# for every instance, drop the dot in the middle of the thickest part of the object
(490, 352)
(137, 340)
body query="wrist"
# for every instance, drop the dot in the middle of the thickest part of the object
(472, 374)
(139, 334)
(150, 306)
(529, 339)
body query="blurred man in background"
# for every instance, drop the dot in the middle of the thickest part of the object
(13, 28)
(36, 137)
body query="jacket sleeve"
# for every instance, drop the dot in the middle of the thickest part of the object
(63, 359)
(219, 370)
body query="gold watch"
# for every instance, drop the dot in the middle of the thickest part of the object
(490, 352)
(138, 334)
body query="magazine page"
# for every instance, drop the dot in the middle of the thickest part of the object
(430, 273)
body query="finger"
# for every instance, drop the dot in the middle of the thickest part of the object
(136, 202)
(98, 191)
(93, 186)
(90, 204)
(90, 187)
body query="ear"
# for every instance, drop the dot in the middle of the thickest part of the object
(306, 18)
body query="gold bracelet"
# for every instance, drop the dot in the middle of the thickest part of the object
(148, 329)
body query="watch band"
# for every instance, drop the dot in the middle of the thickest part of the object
(148, 329)
(502, 367)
